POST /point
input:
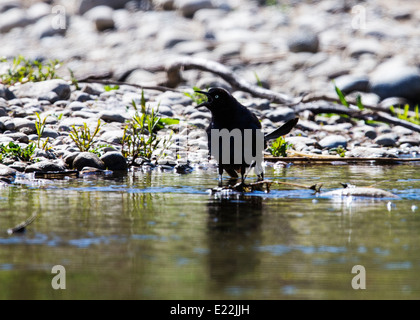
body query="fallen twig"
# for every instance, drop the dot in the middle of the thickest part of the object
(174, 67)
(22, 226)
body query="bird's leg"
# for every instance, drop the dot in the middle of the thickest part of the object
(243, 176)
(220, 179)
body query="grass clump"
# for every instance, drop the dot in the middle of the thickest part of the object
(40, 127)
(83, 138)
(140, 138)
(198, 98)
(404, 114)
(24, 70)
(279, 147)
(16, 152)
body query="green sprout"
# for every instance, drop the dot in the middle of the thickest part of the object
(140, 137)
(196, 97)
(279, 147)
(24, 70)
(82, 136)
(405, 114)
(16, 152)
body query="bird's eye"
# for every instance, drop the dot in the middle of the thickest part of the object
(216, 96)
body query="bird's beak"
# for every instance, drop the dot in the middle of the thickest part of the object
(205, 103)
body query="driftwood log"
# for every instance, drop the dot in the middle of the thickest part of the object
(174, 68)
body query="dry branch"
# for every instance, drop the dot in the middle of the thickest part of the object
(22, 226)
(174, 67)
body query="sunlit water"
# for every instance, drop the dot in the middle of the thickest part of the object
(162, 235)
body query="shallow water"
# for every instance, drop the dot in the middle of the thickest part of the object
(161, 235)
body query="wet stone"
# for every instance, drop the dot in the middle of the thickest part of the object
(333, 141)
(45, 166)
(6, 171)
(114, 161)
(386, 140)
(88, 159)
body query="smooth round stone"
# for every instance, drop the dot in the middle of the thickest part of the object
(88, 159)
(394, 79)
(386, 140)
(45, 166)
(303, 40)
(280, 114)
(6, 171)
(333, 141)
(114, 161)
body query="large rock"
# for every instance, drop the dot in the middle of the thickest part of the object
(46, 166)
(102, 16)
(50, 26)
(14, 18)
(23, 125)
(386, 140)
(5, 171)
(350, 83)
(114, 161)
(395, 79)
(303, 40)
(85, 5)
(6, 93)
(280, 114)
(51, 90)
(88, 159)
(189, 7)
(333, 141)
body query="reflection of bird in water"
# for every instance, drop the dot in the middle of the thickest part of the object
(234, 228)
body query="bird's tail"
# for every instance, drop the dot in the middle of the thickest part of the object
(284, 129)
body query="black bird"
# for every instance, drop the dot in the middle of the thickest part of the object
(228, 113)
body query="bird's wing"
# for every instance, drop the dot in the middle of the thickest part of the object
(284, 129)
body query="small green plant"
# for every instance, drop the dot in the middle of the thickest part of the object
(279, 147)
(82, 136)
(40, 127)
(404, 114)
(344, 101)
(16, 152)
(24, 70)
(140, 137)
(198, 98)
(74, 80)
(341, 96)
(108, 88)
(340, 150)
(98, 150)
(259, 83)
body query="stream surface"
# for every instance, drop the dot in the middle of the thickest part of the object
(162, 235)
